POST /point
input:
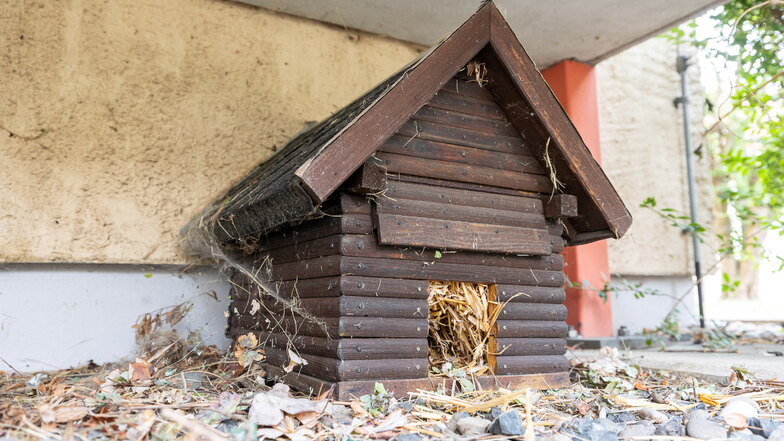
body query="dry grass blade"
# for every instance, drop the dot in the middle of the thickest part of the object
(460, 325)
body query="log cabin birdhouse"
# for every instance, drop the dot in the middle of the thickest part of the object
(419, 229)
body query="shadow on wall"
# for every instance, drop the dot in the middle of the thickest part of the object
(59, 316)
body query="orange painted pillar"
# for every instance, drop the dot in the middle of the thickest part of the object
(574, 84)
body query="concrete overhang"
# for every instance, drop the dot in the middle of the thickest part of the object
(551, 31)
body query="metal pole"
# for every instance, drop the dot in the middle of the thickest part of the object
(682, 66)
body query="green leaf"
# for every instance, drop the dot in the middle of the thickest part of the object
(148, 275)
(438, 254)
(379, 389)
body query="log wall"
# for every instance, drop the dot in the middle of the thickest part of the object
(460, 180)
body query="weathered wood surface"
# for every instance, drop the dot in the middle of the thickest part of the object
(349, 348)
(448, 99)
(326, 171)
(457, 235)
(350, 306)
(452, 171)
(529, 294)
(372, 267)
(560, 206)
(527, 84)
(316, 228)
(332, 369)
(360, 245)
(350, 286)
(520, 163)
(436, 115)
(463, 136)
(351, 390)
(472, 198)
(365, 327)
(529, 346)
(530, 364)
(533, 311)
(465, 213)
(370, 178)
(531, 328)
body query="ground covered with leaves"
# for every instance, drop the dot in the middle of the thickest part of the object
(189, 393)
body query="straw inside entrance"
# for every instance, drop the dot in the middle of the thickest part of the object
(461, 326)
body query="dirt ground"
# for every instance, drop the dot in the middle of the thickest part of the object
(181, 391)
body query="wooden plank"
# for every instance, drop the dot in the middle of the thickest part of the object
(430, 193)
(355, 327)
(372, 267)
(367, 246)
(350, 348)
(351, 390)
(447, 211)
(457, 235)
(531, 328)
(561, 206)
(566, 140)
(350, 306)
(313, 229)
(332, 369)
(467, 87)
(422, 148)
(530, 294)
(533, 311)
(454, 118)
(307, 269)
(324, 173)
(531, 364)
(508, 347)
(346, 203)
(467, 137)
(453, 171)
(449, 100)
(370, 178)
(354, 286)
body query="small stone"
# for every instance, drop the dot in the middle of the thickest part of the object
(643, 428)
(699, 426)
(673, 427)
(189, 380)
(653, 415)
(494, 413)
(606, 424)
(405, 405)
(777, 434)
(603, 435)
(472, 426)
(762, 426)
(409, 436)
(746, 435)
(553, 437)
(452, 423)
(581, 425)
(508, 423)
(622, 417)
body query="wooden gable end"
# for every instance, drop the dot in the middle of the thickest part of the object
(515, 117)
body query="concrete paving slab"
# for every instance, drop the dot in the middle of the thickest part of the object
(761, 360)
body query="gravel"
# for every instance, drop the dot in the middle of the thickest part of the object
(508, 423)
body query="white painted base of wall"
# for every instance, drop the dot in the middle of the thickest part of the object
(55, 316)
(649, 312)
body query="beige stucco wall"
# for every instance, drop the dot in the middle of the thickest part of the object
(120, 119)
(643, 154)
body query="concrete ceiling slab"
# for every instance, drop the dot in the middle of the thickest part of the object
(551, 31)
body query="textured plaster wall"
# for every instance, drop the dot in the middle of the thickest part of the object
(644, 156)
(120, 119)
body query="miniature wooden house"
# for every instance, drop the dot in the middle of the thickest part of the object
(462, 167)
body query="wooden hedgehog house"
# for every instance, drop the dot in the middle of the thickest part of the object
(461, 167)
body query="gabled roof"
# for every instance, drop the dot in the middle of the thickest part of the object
(304, 173)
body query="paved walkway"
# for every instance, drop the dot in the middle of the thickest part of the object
(687, 359)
